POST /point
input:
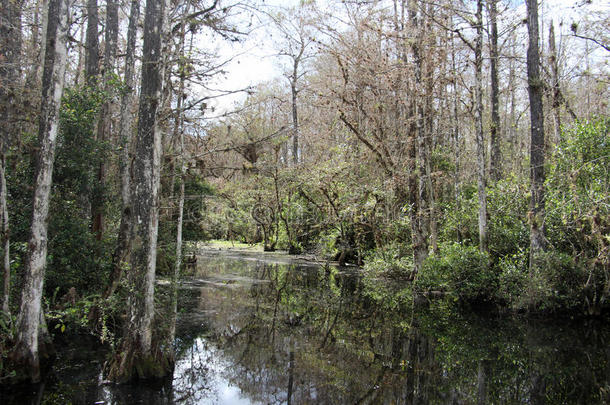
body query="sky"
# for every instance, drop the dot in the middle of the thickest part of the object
(257, 62)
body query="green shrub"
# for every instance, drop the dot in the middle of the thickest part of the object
(578, 212)
(513, 279)
(461, 271)
(557, 283)
(508, 231)
(391, 261)
(76, 258)
(196, 190)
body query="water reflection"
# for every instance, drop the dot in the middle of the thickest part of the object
(302, 334)
(258, 331)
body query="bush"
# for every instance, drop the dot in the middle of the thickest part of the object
(389, 261)
(76, 258)
(196, 190)
(513, 279)
(507, 210)
(459, 270)
(557, 284)
(578, 212)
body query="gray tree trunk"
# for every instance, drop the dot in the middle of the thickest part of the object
(417, 152)
(38, 40)
(138, 359)
(10, 67)
(480, 141)
(495, 133)
(122, 251)
(456, 132)
(81, 56)
(92, 45)
(537, 150)
(295, 117)
(555, 82)
(558, 98)
(179, 132)
(5, 237)
(26, 351)
(105, 119)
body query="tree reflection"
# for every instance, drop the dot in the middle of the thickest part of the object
(283, 333)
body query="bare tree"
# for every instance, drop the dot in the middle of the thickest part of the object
(477, 48)
(557, 95)
(419, 189)
(480, 141)
(537, 176)
(495, 164)
(296, 41)
(26, 354)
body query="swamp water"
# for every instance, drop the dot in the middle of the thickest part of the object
(263, 329)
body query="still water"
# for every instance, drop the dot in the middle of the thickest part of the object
(261, 329)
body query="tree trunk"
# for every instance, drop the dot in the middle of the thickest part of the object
(535, 88)
(25, 354)
(558, 98)
(495, 133)
(4, 238)
(10, 49)
(418, 157)
(179, 132)
(427, 143)
(512, 128)
(92, 44)
(482, 382)
(295, 117)
(456, 134)
(105, 120)
(555, 82)
(480, 141)
(81, 56)
(123, 249)
(38, 40)
(138, 359)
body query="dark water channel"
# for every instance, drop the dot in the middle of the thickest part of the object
(266, 330)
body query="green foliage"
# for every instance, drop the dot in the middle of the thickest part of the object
(507, 212)
(556, 284)
(327, 243)
(578, 207)
(76, 257)
(69, 315)
(79, 153)
(196, 190)
(7, 330)
(507, 205)
(578, 202)
(461, 271)
(392, 261)
(513, 279)
(460, 222)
